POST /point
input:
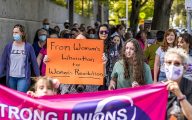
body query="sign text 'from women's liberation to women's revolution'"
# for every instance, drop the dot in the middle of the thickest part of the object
(75, 61)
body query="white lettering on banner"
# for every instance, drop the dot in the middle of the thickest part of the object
(26, 113)
(37, 115)
(49, 114)
(99, 116)
(79, 117)
(111, 116)
(122, 114)
(73, 117)
(65, 116)
(23, 114)
(13, 111)
(90, 116)
(2, 106)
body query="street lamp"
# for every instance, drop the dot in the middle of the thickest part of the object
(126, 14)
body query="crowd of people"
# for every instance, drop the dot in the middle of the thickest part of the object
(130, 61)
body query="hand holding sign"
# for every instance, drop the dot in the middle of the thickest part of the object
(46, 59)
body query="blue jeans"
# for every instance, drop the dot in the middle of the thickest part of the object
(162, 76)
(18, 83)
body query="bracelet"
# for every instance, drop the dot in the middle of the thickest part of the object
(181, 98)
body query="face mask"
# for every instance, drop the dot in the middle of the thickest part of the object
(46, 27)
(173, 72)
(66, 26)
(17, 37)
(91, 35)
(42, 38)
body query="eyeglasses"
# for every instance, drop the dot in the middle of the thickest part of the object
(176, 63)
(103, 32)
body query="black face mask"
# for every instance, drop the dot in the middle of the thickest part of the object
(67, 36)
(67, 26)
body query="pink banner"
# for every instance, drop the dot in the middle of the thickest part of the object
(141, 103)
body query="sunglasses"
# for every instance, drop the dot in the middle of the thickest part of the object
(104, 32)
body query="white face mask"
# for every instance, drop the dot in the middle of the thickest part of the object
(173, 72)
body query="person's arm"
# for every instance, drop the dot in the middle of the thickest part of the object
(104, 58)
(3, 61)
(112, 84)
(185, 105)
(186, 108)
(156, 68)
(147, 54)
(39, 59)
(114, 76)
(148, 76)
(145, 45)
(34, 61)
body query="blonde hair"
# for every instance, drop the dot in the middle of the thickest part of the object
(47, 80)
(180, 52)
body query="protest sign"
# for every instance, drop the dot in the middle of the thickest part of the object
(75, 61)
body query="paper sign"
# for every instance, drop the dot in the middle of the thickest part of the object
(75, 61)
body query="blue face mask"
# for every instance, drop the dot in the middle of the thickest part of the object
(91, 35)
(17, 37)
(46, 27)
(42, 38)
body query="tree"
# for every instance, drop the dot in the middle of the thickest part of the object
(178, 14)
(117, 11)
(134, 18)
(162, 10)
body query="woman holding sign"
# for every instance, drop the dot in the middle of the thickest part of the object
(17, 59)
(131, 70)
(180, 98)
(103, 34)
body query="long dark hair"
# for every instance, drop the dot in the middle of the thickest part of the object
(137, 63)
(106, 41)
(22, 29)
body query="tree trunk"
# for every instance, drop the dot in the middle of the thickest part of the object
(71, 9)
(162, 10)
(134, 18)
(82, 2)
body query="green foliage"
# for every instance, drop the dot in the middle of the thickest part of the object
(148, 9)
(60, 2)
(82, 7)
(178, 14)
(118, 10)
